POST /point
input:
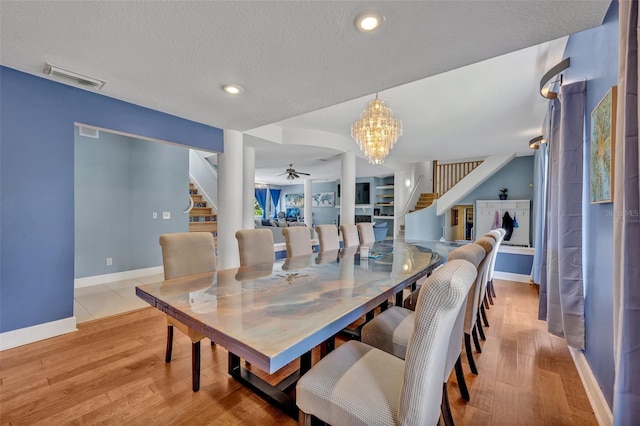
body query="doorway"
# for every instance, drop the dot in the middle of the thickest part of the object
(462, 222)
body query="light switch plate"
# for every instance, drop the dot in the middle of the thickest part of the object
(166, 215)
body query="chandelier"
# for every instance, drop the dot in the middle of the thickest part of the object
(377, 131)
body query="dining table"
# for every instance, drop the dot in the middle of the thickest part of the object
(273, 314)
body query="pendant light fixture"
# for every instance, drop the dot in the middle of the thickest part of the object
(377, 131)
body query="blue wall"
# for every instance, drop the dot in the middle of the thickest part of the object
(119, 182)
(516, 176)
(594, 58)
(37, 165)
(514, 263)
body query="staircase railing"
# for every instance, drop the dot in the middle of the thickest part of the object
(413, 192)
(191, 204)
(446, 176)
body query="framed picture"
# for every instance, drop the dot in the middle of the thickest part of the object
(323, 199)
(294, 200)
(601, 160)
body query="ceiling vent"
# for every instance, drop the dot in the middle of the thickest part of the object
(80, 79)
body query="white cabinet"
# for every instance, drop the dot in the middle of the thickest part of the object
(518, 210)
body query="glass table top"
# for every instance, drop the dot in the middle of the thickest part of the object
(271, 314)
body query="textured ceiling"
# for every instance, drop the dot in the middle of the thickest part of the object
(299, 57)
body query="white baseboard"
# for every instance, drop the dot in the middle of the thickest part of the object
(116, 276)
(22, 336)
(511, 277)
(594, 393)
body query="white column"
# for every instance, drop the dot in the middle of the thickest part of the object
(248, 185)
(348, 188)
(400, 197)
(308, 210)
(229, 199)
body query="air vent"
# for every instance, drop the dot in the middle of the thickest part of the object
(89, 132)
(80, 79)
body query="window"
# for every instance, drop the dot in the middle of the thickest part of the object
(257, 211)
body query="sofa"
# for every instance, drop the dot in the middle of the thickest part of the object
(380, 231)
(276, 226)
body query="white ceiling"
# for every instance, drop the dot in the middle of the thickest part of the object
(306, 70)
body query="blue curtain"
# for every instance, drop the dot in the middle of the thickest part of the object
(275, 198)
(540, 206)
(626, 226)
(261, 196)
(562, 295)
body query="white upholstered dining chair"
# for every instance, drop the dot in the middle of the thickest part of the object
(390, 330)
(183, 254)
(358, 384)
(472, 324)
(328, 237)
(255, 246)
(297, 240)
(499, 238)
(365, 231)
(349, 235)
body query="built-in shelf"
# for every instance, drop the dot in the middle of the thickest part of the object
(384, 206)
(358, 206)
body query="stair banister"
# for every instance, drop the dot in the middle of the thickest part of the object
(191, 204)
(413, 192)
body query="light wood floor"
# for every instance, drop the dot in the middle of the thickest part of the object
(112, 371)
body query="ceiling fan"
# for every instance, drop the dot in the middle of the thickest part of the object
(292, 173)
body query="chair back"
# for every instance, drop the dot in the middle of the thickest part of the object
(473, 254)
(365, 230)
(187, 253)
(349, 235)
(328, 237)
(297, 240)
(255, 246)
(498, 236)
(477, 290)
(438, 305)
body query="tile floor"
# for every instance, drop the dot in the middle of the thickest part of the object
(99, 301)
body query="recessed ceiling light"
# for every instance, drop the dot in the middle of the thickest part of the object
(232, 89)
(367, 22)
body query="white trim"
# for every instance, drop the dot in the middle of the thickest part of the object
(594, 393)
(116, 276)
(511, 277)
(23, 336)
(524, 251)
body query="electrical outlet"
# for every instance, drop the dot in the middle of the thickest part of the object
(109, 261)
(155, 215)
(166, 215)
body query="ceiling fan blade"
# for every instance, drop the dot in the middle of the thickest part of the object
(295, 174)
(301, 173)
(281, 174)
